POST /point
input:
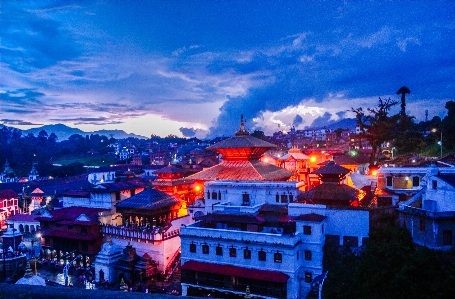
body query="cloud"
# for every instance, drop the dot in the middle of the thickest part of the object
(297, 120)
(188, 132)
(18, 122)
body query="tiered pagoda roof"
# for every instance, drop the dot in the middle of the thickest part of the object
(241, 155)
(332, 191)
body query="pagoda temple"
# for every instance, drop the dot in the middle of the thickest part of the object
(241, 160)
(331, 191)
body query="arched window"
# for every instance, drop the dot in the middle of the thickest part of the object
(214, 195)
(208, 194)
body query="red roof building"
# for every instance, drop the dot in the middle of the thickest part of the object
(241, 160)
(8, 205)
(71, 229)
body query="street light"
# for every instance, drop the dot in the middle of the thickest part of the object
(440, 140)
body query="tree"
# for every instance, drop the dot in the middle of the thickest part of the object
(376, 125)
(448, 126)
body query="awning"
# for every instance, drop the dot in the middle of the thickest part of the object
(263, 275)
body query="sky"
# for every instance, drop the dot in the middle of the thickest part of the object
(192, 68)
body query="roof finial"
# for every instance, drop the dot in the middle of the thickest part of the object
(242, 130)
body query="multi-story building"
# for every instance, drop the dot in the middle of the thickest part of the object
(245, 237)
(430, 214)
(71, 229)
(8, 205)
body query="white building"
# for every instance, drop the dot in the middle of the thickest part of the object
(430, 214)
(247, 239)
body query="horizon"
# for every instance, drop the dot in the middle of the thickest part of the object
(192, 69)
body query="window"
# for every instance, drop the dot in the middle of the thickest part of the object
(262, 255)
(447, 237)
(208, 194)
(232, 252)
(277, 257)
(308, 277)
(205, 249)
(435, 185)
(277, 197)
(422, 225)
(291, 197)
(214, 195)
(307, 230)
(193, 247)
(308, 255)
(284, 198)
(415, 181)
(219, 250)
(389, 181)
(247, 254)
(246, 199)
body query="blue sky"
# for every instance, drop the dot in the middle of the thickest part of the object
(193, 67)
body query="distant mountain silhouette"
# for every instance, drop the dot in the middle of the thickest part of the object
(63, 132)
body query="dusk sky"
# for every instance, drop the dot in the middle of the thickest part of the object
(191, 68)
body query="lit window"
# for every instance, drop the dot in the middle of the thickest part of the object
(308, 277)
(277, 257)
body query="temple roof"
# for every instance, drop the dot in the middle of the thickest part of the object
(243, 171)
(330, 192)
(148, 199)
(331, 169)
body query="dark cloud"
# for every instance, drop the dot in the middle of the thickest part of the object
(188, 132)
(88, 120)
(322, 121)
(22, 96)
(18, 122)
(31, 41)
(298, 120)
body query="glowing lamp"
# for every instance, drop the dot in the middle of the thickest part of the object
(374, 172)
(197, 188)
(313, 159)
(266, 160)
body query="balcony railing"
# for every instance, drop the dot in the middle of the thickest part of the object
(140, 235)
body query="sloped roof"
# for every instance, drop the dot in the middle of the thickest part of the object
(331, 168)
(148, 199)
(69, 215)
(8, 194)
(448, 178)
(330, 192)
(244, 171)
(312, 217)
(243, 141)
(120, 186)
(296, 156)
